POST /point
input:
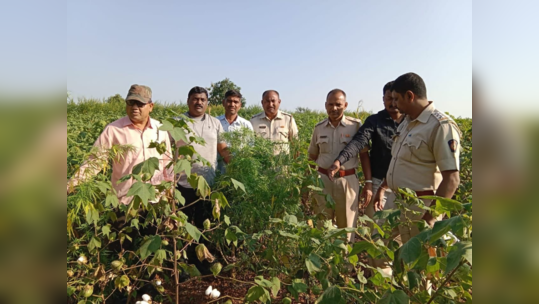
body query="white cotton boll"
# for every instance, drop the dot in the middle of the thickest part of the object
(209, 290)
(158, 282)
(215, 294)
(144, 302)
(146, 298)
(138, 302)
(82, 260)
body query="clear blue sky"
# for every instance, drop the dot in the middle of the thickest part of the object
(303, 49)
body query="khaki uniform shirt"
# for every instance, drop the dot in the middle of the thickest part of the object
(280, 129)
(328, 141)
(423, 148)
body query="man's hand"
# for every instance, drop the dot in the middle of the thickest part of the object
(429, 219)
(333, 169)
(366, 195)
(379, 200)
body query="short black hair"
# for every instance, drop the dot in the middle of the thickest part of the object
(335, 91)
(197, 90)
(233, 93)
(270, 91)
(410, 82)
(388, 86)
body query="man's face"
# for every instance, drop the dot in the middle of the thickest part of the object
(271, 103)
(232, 105)
(197, 103)
(388, 103)
(401, 102)
(137, 111)
(335, 106)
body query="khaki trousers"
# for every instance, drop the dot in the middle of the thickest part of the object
(345, 193)
(389, 203)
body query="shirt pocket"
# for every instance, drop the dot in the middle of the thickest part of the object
(323, 145)
(417, 150)
(283, 135)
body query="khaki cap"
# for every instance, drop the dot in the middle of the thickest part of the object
(141, 93)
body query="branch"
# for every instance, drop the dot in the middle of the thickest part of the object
(445, 282)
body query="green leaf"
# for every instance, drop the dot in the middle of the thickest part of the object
(121, 282)
(254, 293)
(104, 187)
(433, 265)
(276, 286)
(291, 219)
(70, 291)
(151, 245)
(179, 197)
(414, 280)
(94, 243)
(166, 126)
(112, 200)
(299, 285)
(237, 185)
(445, 205)
(290, 235)
(395, 297)
(286, 301)
(313, 263)
(148, 166)
(193, 231)
(203, 189)
(144, 191)
(332, 295)
(230, 236)
(456, 224)
(227, 220)
(459, 251)
(411, 251)
(178, 134)
(183, 165)
(106, 230)
(359, 247)
(160, 255)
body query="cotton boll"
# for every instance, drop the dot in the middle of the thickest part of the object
(158, 282)
(215, 294)
(209, 290)
(146, 298)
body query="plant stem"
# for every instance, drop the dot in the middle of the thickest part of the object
(445, 282)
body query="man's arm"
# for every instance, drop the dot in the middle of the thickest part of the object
(93, 165)
(224, 152)
(448, 187)
(366, 193)
(353, 148)
(446, 150)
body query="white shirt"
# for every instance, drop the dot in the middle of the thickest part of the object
(236, 125)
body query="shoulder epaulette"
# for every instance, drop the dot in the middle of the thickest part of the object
(287, 114)
(322, 122)
(353, 119)
(256, 115)
(441, 117)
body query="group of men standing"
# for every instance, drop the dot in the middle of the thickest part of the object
(407, 144)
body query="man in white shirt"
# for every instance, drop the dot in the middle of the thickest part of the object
(231, 121)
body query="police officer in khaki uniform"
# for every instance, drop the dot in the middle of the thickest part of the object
(330, 136)
(425, 152)
(274, 124)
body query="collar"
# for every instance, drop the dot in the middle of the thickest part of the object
(279, 115)
(425, 115)
(223, 118)
(203, 117)
(343, 122)
(125, 121)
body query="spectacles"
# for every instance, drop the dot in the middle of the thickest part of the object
(135, 102)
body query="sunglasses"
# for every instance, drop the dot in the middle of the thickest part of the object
(136, 102)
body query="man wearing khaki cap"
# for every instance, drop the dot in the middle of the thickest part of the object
(138, 130)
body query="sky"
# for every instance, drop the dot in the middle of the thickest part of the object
(303, 49)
